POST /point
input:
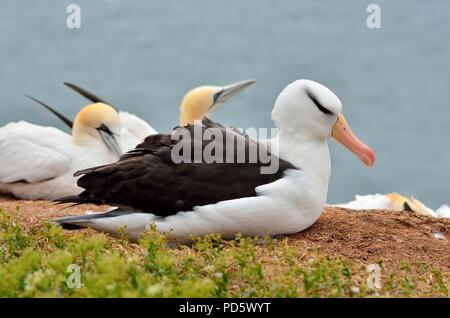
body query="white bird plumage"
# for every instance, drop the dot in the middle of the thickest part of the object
(393, 202)
(134, 130)
(38, 162)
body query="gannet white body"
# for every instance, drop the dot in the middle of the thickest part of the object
(393, 202)
(38, 162)
(443, 211)
(134, 130)
(199, 199)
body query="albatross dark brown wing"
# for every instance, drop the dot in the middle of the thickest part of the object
(147, 178)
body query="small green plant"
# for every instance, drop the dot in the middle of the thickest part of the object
(34, 262)
(440, 285)
(13, 240)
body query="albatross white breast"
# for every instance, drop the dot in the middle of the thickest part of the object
(194, 199)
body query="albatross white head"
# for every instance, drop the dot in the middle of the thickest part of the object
(307, 113)
(201, 101)
(98, 120)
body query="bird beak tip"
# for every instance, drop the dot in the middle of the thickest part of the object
(344, 135)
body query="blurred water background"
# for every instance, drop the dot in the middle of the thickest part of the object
(394, 82)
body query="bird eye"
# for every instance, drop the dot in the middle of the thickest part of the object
(105, 129)
(216, 96)
(318, 105)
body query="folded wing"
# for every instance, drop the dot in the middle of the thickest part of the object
(27, 153)
(148, 179)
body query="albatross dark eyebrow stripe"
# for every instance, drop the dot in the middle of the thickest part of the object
(316, 102)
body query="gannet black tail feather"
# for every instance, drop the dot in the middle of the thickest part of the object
(63, 118)
(92, 97)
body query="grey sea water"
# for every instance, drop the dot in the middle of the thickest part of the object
(394, 82)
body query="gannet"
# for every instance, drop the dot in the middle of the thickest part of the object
(443, 211)
(199, 198)
(196, 104)
(131, 124)
(393, 202)
(38, 162)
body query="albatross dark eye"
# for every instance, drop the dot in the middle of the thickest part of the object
(318, 105)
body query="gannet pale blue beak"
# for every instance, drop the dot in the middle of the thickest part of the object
(231, 90)
(109, 139)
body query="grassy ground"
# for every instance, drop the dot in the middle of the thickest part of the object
(329, 260)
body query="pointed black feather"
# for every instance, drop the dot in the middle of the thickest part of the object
(69, 222)
(92, 97)
(64, 119)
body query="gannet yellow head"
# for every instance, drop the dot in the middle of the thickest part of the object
(401, 203)
(98, 120)
(200, 101)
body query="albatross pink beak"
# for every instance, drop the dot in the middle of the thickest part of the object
(344, 135)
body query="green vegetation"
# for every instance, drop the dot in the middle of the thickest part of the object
(34, 263)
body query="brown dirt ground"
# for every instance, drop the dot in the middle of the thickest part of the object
(364, 236)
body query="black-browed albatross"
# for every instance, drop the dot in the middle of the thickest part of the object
(196, 199)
